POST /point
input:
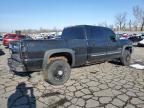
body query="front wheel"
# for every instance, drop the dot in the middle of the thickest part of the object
(126, 58)
(57, 72)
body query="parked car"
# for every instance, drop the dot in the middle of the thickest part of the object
(119, 36)
(141, 43)
(125, 36)
(58, 37)
(39, 37)
(142, 35)
(51, 37)
(12, 37)
(122, 36)
(1, 38)
(135, 38)
(77, 46)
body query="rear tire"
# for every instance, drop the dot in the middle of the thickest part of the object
(126, 58)
(57, 72)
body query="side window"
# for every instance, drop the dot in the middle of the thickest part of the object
(107, 33)
(110, 34)
(95, 33)
(74, 33)
(104, 34)
(100, 33)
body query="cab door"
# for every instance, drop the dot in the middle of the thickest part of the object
(97, 44)
(113, 48)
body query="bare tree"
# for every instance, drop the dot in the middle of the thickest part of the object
(130, 25)
(135, 25)
(121, 20)
(124, 26)
(139, 16)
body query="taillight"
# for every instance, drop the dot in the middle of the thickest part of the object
(24, 51)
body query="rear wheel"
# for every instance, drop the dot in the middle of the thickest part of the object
(57, 71)
(126, 58)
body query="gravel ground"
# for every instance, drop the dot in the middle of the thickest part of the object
(106, 85)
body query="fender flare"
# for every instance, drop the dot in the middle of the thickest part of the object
(125, 46)
(54, 51)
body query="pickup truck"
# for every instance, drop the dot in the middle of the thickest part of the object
(78, 45)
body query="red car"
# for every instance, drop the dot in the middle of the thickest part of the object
(12, 37)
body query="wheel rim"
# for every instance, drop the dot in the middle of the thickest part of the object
(127, 58)
(59, 73)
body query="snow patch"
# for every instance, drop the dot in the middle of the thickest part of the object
(137, 66)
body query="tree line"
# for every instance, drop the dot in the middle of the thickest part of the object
(122, 23)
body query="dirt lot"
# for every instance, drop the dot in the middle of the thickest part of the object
(106, 85)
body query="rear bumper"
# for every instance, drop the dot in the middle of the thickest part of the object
(139, 44)
(16, 65)
(5, 43)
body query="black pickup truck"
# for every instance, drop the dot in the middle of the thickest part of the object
(77, 46)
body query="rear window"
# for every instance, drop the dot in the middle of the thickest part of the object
(11, 37)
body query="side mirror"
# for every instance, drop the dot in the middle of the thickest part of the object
(113, 38)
